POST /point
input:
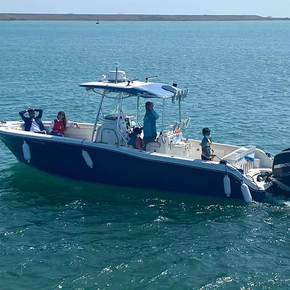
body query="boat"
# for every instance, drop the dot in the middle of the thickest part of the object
(99, 153)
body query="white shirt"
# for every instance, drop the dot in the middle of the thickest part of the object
(34, 126)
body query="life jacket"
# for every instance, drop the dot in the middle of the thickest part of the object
(206, 147)
(58, 126)
(139, 143)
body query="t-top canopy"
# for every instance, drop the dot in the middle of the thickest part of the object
(138, 88)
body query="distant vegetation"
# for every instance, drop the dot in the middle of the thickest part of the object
(130, 17)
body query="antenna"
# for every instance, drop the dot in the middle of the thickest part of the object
(116, 80)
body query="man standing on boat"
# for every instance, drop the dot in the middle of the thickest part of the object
(207, 152)
(32, 123)
(149, 123)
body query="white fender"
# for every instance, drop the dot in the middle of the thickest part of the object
(246, 193)
(26, 151)
(227, 186)
(87, 158)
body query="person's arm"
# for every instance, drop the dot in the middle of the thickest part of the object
(22, 114)
(40, 111)
(142, 144)
(71, 124)
(155, 114)
(132, 142)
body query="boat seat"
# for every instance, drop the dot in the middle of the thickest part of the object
(152, 146)
(22, 128)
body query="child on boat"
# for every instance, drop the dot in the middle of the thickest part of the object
(207, 151)
(136, 141)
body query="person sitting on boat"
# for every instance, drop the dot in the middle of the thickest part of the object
(207, 151)
(59, 125)
(149, 123)
(136, 141)
(32, 123)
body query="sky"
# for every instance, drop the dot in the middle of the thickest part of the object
(274, 8)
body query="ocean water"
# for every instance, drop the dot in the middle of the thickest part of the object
(63, 234)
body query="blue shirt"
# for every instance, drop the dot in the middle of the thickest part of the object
(149, 123)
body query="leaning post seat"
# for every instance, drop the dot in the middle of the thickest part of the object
(110, 133)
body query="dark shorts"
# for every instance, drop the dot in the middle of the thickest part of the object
(148, 139)
(205, 158)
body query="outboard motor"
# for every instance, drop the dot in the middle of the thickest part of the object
(281, 169)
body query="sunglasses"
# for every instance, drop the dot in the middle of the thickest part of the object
(61, 114)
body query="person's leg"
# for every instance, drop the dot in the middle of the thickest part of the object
(205, 158)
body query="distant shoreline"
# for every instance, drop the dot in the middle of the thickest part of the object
(130, 17)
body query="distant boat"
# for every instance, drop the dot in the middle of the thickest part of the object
(98, 22)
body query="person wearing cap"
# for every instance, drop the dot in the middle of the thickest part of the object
(33, 123)
(149, 123)
(207, 151)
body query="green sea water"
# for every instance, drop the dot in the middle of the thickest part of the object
(63, 234)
